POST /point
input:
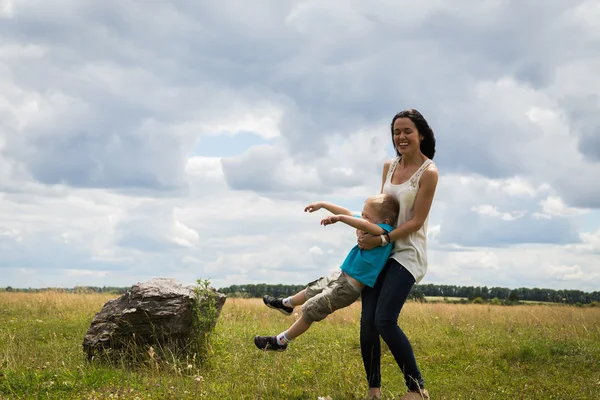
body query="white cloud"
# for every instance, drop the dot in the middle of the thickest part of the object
(346, 163)
(554, 206)
(154, 226)
(591, 240)
(12, 234)
(6, 8)
(492, 211)
(497, 214)
(585, 15)
(518, 186)
(475, 260)
(263, 120)
(191, 260)
(549, 266)
(590, 243)
(433, 232)
(316, 250)
(85, 273)
(565, 272)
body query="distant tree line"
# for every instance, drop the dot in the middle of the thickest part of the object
(419, 292)
(259, 290)
(76, 289)
(523, 294)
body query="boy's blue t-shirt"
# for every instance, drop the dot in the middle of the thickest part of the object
(365, 265)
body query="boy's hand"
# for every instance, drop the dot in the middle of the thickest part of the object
(312, 207)
(330, 220)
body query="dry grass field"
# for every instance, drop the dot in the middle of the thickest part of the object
(465, 352)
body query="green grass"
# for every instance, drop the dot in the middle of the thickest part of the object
(464, 351)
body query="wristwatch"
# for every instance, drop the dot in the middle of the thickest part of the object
(384, 241)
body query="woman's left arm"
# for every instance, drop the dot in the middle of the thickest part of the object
(423, 201)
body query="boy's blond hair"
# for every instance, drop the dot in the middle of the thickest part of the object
(386, 206)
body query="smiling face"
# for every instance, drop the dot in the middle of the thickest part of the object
(406, 136)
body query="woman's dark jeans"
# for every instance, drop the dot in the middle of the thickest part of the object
(381, 307)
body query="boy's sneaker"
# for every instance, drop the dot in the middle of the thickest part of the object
(277, 304)
(269, 343)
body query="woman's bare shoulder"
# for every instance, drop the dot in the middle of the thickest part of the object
(388, 163)
(430, 174)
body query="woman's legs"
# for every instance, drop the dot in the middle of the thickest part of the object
(396, 284)
(370, 345)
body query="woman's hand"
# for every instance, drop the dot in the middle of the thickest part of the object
(368, 241)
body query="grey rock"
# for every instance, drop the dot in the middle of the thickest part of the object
(159, 312)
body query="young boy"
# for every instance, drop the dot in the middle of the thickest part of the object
(342, 288)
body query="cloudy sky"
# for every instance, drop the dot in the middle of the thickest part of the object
(183, 139)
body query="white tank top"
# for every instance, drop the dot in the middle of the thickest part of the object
(410, 251)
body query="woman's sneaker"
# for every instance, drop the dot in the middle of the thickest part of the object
(269, 343)
(418, 395)
(277, 304)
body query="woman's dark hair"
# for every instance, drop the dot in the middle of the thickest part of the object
(428, 142)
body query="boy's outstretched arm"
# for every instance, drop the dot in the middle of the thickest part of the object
(354, 222)
(334, 209)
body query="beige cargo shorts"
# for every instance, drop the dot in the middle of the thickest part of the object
(328, 294)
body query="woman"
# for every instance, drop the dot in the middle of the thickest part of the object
(412, 177)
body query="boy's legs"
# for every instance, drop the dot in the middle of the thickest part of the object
(285, 305)
(298, 328)
(320, 299)
(280, 341)
(296, 300)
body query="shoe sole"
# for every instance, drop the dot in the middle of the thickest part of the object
(277, 350)
(279, 309)
(265, 349)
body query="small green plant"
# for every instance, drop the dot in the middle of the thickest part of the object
(204, 316)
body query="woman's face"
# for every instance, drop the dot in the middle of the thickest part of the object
(406, 136)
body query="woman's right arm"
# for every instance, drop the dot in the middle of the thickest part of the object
(386, 168)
